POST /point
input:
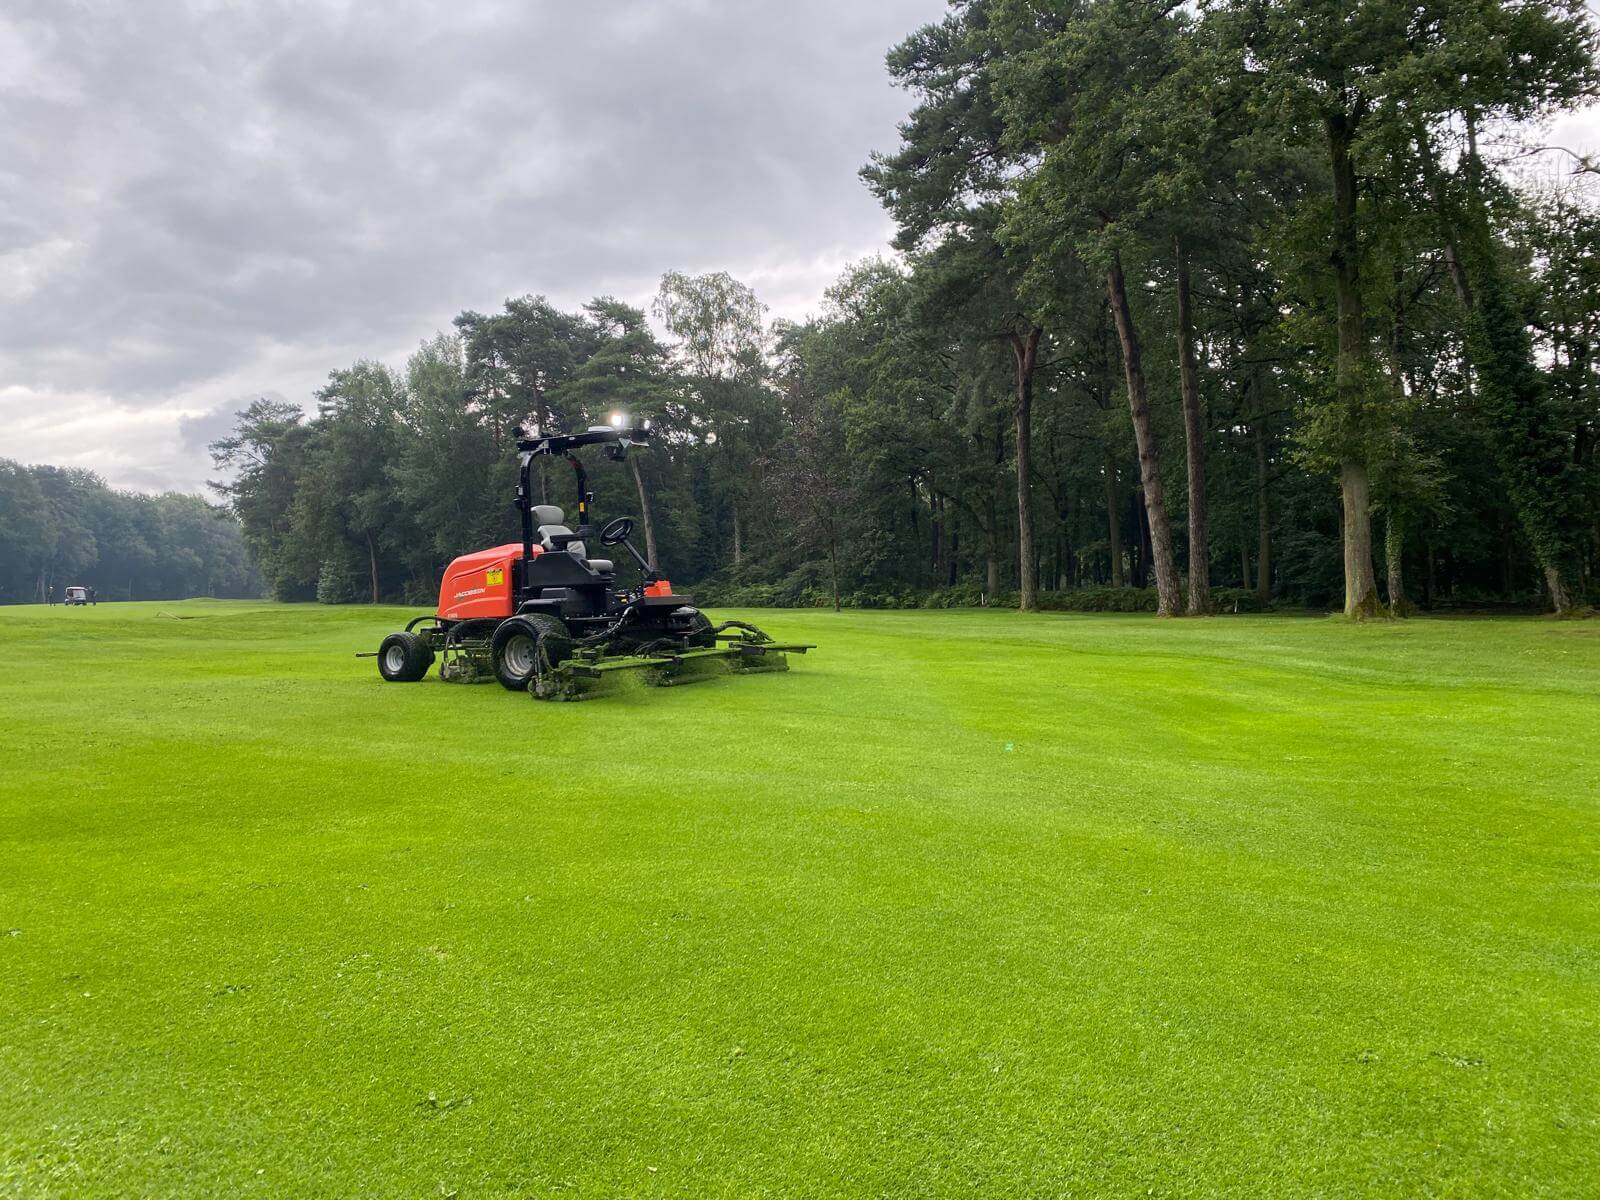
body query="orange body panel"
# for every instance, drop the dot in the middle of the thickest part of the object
(660, 587)
(479, 584)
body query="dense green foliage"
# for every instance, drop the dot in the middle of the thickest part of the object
(1255, 906)
(60, 528)
(1184, 298)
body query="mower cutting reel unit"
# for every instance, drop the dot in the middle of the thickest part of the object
(746, 651)
(542, 616)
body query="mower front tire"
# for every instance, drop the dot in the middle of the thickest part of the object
(404, 658)
(520, 643)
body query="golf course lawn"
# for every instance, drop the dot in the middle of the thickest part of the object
(966, 904)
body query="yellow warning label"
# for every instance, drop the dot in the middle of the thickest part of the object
(495, 576)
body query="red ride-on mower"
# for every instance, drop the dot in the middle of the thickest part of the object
(542, 616)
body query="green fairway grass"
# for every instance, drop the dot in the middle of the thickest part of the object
(966, 904)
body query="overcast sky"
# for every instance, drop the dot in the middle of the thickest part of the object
(204, 202)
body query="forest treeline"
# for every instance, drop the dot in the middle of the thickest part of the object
(1239, 294)
(61, 528)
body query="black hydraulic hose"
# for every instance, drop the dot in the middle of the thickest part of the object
(659, 646)
(761, 635)
(606, 634)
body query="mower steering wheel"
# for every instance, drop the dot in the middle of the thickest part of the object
(616, 532)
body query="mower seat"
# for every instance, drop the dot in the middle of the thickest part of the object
(550, 526)
(550, 520)
(576, 549)
(548, 534)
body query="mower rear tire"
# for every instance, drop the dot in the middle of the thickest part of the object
(404, 658)
(521, 645)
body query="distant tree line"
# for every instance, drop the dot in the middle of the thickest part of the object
(1188, 297)
(61, 528)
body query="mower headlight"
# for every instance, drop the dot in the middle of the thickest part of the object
(619, 420)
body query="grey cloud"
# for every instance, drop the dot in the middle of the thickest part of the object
(196, 193)
(198, 432)
(336, 172)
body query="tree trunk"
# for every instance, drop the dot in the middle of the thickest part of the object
(1394, 538)
(1114, 521)
(644, 513)
(1168, 595)
(1132, 507)
(1560, 598)
(1065, 556)
(372, 562)
(833, 569)
(1263, 513)
(1447, 229)
(1026, 353)
(991, 548)
(738, 540)
(1394, 543)
(1350, 384)
(1458, 274)
(1360, 587)
(1141, 520)
(1194, 437)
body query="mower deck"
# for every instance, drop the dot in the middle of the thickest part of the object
(585, 674)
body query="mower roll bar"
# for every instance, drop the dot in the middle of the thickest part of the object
(530, 441)
(532, 444)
